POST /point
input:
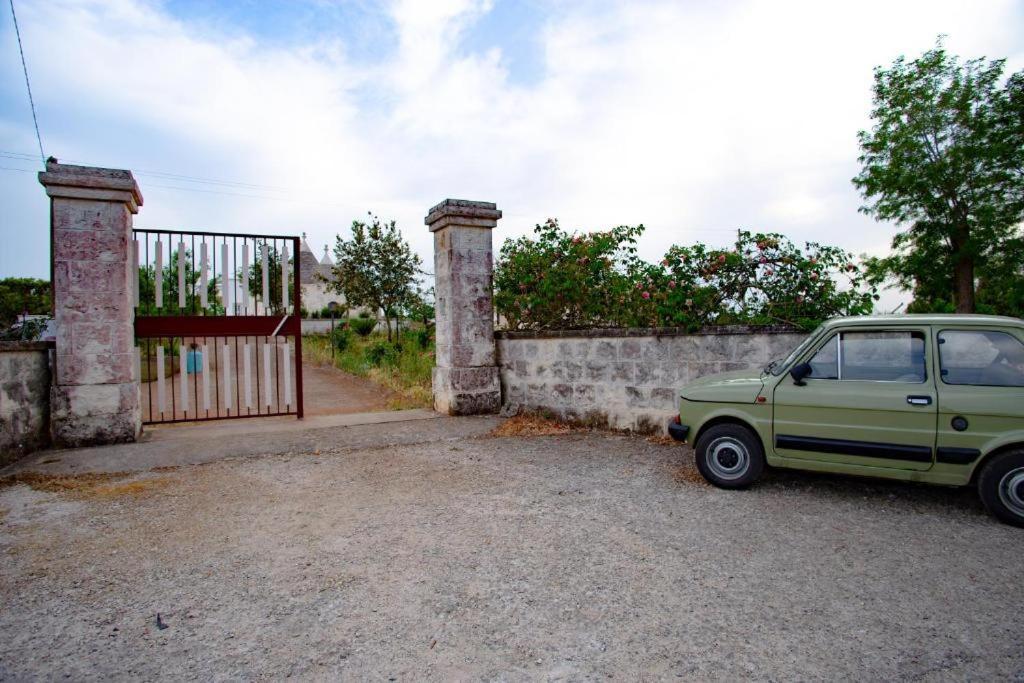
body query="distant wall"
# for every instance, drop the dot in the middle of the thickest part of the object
(624, 378)
(24, 398)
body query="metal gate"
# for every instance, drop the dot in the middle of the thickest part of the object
(218, 326)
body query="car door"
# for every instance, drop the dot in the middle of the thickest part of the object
(981, 390)
(868, 401)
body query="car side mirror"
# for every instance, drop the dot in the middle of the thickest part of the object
(799, 372)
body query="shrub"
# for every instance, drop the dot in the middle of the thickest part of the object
(561, 280)
(382, 353)
(342, 338)
(423, 338)
(363, 326)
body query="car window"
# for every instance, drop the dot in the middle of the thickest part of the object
(981, 357)
(889, 356)
(882, 356)
(825, 363)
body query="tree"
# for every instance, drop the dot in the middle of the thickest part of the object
(169, 285)
(23, 295)
(376, 268)
(945, 158)
(274, 304)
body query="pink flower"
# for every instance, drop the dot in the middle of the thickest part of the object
(721, 258)
(665, 263)
(768, 271)
(638, 285)
(646, 295)
(764, 260)
(814, 260)
(575, 240)
(671, 284)
(689, 302)
(814, 276)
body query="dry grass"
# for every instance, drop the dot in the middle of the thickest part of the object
(662, 440)
(91, 485)
(530, 425)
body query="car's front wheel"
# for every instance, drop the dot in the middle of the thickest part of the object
(1001, 486)
(730, 456)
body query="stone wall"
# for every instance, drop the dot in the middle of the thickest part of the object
(626, 379)
(24, 398)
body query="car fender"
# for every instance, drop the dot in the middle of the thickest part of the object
(996, 445)
(756, 416)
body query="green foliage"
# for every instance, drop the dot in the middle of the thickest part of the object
(561, 280)
(423, 338)
(376, 268)
(273, 279)
(945, 159)
(23, 295)
(363, 326)
(26, 330)
(169, 285)
(382, 353)
(342, 338)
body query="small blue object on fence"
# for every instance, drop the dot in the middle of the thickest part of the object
(195, 362)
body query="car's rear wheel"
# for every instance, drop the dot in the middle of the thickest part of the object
(1001, 486)
(730, 456)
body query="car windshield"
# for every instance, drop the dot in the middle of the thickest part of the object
(777, 367)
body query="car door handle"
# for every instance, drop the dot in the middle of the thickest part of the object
(919, 400)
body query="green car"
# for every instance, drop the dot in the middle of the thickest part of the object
(929, 398)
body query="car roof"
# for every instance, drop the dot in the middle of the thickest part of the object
(958, 319)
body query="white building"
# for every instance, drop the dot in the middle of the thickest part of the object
(315, 292)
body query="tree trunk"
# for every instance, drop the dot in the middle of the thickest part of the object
(963, 273)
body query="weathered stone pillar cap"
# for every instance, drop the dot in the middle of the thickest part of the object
(89, 182)
(463, 212)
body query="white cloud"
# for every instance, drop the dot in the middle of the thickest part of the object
(694, 119)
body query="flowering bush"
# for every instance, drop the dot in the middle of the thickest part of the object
(560, 280)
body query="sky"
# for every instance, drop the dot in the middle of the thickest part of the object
(693, 118)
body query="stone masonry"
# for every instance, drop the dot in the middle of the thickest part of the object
(625, 379)
(24, 398)
(465, 377)
(95, 393)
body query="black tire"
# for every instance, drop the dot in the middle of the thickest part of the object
(730, 456)
(1001, 486)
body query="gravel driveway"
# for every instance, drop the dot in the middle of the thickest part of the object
(581, 556)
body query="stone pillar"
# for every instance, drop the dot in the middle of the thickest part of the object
(95, 393)
(465, 377)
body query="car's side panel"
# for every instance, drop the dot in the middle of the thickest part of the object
(988, 417)
(871, 424)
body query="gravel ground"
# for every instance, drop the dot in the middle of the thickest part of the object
(582, 556)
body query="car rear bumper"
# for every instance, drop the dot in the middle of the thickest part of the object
(678, 431)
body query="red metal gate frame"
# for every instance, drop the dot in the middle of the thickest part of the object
(171, 326)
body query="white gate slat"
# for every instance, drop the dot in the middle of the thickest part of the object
(268, 395)
(225, 283)
(247, 357)
(284, 278)
(161, 400)
(204, 277)
(183, 366)
(207, 363)
(245, 279)
(135, 272)
(265, 270)
(158, 275)
(287, 371)
(226, 373)
(181, 275)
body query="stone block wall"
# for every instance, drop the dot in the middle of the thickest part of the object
(625, 379)
(24, 398)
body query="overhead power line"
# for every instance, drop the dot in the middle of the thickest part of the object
(28, 85)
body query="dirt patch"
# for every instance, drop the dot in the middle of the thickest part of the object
(530, 425)
(92, 485)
